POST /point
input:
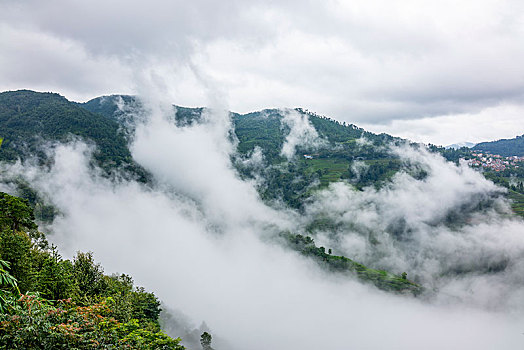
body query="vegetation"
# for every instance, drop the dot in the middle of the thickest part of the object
(205, 341)
(48, 302)
(511, 178)
(517, 201)
(348, 154)
(352, 154)
(292, 182)
(295, 181)
(452, 154)
(30, 120)
(108, 105)
(380, 278)
(504, 147)
(260, 129)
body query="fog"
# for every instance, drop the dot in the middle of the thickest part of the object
(199, 237)
(301, 133)
(452, 230)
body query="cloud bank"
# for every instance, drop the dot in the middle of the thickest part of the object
(366, 62)
(200, 239)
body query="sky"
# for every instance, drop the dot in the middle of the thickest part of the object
(430, 71)
(434, 72)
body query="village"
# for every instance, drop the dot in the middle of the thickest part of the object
(493, 161)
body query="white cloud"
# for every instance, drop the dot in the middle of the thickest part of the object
(44, 62)
(501, 121)
(199, 239)
(367, 62)
(301, 134)
(432, 228)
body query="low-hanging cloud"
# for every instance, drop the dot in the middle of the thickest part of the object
(450, 229)
(301, 134)
(366, 62)
(198, 238)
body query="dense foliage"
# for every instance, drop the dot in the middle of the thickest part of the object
(293, 181)
(504, 147)
(260, 129)
(48, 302)
(30, 120)
(344, 147)
(451, 154)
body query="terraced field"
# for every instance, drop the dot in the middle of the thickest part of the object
(331, 169)
(517, 200)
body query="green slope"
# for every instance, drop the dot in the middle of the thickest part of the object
(294, 181)
(67, 304)
(517, 202)
(29, 120)
(381, 279)
(348, 154)
(504, 147)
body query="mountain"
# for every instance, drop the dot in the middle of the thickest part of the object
(32, 121)
(328, 151)
(343, 145)
(460, 145)
(336, 205)
(289, 155)
(503, 147)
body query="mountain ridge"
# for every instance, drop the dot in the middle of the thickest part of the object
(503, 147)
(264, 129)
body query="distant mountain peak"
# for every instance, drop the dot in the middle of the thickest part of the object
(460, 145)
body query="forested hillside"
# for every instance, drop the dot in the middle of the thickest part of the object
(47, 302)
(504, 147)
(328, 152)
(346, 153)
(294, 181)
(105, 121)
(31, 121)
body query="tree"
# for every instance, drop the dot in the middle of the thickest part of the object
(15, 214)
(88, 275)
(15, 248)
(205, 341)
(7, 286)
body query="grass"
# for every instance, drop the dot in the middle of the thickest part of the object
(331, 168)
(381, 279)
(517, 202)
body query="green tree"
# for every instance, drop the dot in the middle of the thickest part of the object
(15, 248)
(7, 286)
(205, 341)
(15, 213)
(88, 275)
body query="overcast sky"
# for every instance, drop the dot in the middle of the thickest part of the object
(433, 71)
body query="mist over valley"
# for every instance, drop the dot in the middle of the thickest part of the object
(260, 175)
(272, 225)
